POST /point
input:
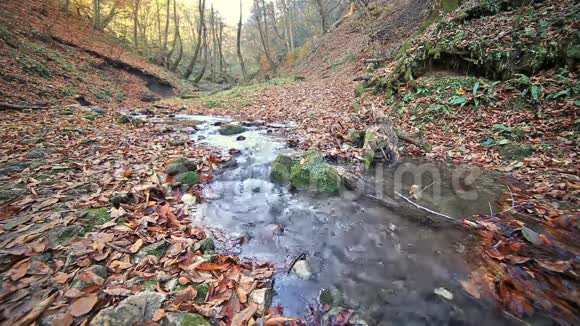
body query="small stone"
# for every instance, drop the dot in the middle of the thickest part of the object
(444, 293)
(98, 110)
(134, 309)
(38, 153)
(170, 285)
(262, 298)
(188, 199)
(117, 200)
(180, 165)
(302, 269)
(241, 138)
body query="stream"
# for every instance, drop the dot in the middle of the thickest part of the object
(401, 266)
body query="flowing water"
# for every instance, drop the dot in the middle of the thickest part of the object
(385, 264)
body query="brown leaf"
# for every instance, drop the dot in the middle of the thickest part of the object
(90, 277)
(61, 277)
(136, 246)
(159, 314)
(554, 266)
(38, 310)
(19, 270)
(83, 305)
(243, 316)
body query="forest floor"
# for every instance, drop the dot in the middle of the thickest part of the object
(84, 191)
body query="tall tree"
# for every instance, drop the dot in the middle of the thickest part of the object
(198, 45)
(239, 46)
(263, 31)
(177, 39)
(322, 14)
(136, 4)
(205, 49)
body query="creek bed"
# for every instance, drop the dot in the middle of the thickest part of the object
(385, 264)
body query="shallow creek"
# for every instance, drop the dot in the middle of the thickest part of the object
(385, 264)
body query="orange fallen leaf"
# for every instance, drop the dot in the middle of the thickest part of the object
(19, 270)
(83, 305)
(136, 246)
(159, 314)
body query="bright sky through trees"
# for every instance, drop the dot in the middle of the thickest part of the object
(230, 9)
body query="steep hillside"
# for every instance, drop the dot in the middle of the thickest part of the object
(47, 57)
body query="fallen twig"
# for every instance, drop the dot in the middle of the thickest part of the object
(424, 208)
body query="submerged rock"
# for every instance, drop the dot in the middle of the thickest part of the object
(281, 166)
(134, 309)
(302, 269)
(231, 129)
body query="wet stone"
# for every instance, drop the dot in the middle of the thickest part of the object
(231, 129)
(262, 298)
(180, 165)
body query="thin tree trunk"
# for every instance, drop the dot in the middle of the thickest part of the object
(136, 24)
(198, 46)
(220, 48)
(96, 13)
(177, 61)
(322, 14)
(264, 34)
(214, 56)
(239, 47)
(205, 46)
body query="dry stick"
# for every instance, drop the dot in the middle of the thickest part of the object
(424, 208)
(8, 106)
(299, 257)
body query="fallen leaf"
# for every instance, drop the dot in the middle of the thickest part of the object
(159, 314)
(83, 305)
(243, 316)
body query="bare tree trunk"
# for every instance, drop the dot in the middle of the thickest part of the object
(322, 14)
(177, 61)
(205, 46)
(198, 46)
(264, 33)
(96, 14)
(136, 23)
(214, 56)
(220, 47)
(239, 47)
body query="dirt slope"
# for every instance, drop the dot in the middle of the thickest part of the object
(50, 58)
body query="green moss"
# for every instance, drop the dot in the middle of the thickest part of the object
(281, 166)
(94, 217)
(514, 151)
(325, 297)
(231, 129)
(312, 173)
(189, 178)
(202, 289)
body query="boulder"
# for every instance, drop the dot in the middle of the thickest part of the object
(281, 166)
(302, 269)
(305, 171)
(134, 309)
(184, 319)
(231, 129)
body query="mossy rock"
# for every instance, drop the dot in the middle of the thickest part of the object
(205, 245)
(313, 173)
(117, 200)
(189, 178)
(514, 151)
(157, 249)
(180, 165)
(280, 172)
(184, 319)
(357, 138)
(231, 129)
(125, 119)
(62, 235)
(94, 217)
(202, 289)
(99, 270)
